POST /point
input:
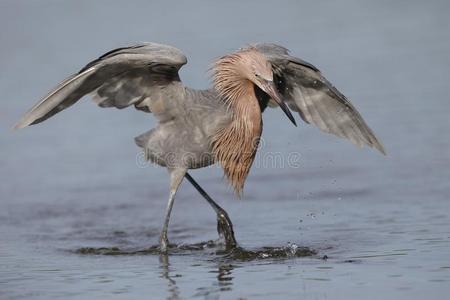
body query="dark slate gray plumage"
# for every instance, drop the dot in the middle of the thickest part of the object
(316, 100)
(146, 76)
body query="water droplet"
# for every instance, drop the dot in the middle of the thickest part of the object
(312, 215)
(291, 249)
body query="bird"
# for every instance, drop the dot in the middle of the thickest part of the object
(219, 125)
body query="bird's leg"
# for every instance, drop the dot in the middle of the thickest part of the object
(176, 176)
(224, 225)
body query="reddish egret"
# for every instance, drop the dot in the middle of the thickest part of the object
(200, 127)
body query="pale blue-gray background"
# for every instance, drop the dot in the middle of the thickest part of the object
(73, 181)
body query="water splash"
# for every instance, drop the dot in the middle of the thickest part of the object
(211, 248)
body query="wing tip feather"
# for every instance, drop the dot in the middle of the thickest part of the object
(379, 146)
(24, 122)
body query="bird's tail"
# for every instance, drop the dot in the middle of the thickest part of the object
(64, 95)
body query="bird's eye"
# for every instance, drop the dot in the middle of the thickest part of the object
(256, 75)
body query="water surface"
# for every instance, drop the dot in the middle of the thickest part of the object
(80, 216)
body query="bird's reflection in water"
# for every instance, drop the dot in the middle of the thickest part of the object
(224, 276)
(224, 280)
(172, 288)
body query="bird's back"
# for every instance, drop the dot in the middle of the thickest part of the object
(188, 120)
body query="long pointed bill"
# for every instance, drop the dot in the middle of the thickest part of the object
(269, 88)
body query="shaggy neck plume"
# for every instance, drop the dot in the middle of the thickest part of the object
(235, 146)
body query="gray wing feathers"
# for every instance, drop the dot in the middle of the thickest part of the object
(316, 100)
(119, 78)
(120, 93)
(58, 99)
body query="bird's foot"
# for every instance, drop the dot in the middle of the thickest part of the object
(163, 244)
(225, 229)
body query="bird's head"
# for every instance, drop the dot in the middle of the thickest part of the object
(231, 73)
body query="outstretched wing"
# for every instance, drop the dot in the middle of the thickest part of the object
(138, 75)
(316, 100)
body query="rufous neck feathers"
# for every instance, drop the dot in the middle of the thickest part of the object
(235, 146)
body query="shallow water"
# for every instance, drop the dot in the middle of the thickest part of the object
(80, 214)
